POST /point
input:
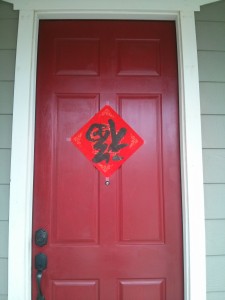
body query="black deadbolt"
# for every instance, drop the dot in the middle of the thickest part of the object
(41, 237)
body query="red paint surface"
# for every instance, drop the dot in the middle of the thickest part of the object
(122, 241)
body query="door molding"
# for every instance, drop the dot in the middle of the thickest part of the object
(21, 188)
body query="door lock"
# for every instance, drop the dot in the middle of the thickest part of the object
(41, 237)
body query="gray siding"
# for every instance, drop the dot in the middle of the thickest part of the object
(8, 37)
(210, 27)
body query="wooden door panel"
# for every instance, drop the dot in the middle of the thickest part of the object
(72, 187)
(75, 289)
(143, 222)
(142, 289)
(130, 54)
(73, 57)
(122, 241)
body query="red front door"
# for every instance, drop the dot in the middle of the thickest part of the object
(121, 241)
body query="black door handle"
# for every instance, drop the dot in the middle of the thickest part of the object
(40, 266)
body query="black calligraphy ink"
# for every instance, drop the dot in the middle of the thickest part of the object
(117, 157)
(98, 134)
(116, 137)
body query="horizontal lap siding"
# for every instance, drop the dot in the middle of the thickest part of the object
(210, 28)
(3, 277)
(7, 62)
(216, 296)
(212, 98)
(214, 165)
(215, 244)
(216, 278)
(6, 97)
(213, 129)
(214, 201)
(8, 37)
(5, 131)
(213, 66)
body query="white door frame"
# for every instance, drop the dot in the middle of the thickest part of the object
(21, 188)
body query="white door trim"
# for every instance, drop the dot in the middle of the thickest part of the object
(21, 189)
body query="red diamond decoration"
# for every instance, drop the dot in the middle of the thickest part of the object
(107, 140)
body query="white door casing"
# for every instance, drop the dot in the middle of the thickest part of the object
(21, 188)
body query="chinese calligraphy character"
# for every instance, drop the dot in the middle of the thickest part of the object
(99, 133)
